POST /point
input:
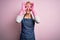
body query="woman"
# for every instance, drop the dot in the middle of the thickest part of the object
(27, 20)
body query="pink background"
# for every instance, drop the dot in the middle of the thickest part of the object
(48, 10)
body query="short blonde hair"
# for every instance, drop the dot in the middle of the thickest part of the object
(28, 2)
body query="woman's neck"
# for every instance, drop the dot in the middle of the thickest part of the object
(28, 15)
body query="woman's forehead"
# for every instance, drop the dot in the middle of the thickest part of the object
(28, 2)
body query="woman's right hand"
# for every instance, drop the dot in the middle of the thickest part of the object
(24, 6)
(23, 9)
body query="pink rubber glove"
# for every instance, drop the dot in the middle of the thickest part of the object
(33, 10)
(24, 6)
(21, 13)
(23, 9)
(36, 17)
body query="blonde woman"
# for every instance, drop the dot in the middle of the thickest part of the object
(27, 18)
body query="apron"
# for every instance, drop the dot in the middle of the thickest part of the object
(27, 32)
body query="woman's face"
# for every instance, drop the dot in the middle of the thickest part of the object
(28, 5)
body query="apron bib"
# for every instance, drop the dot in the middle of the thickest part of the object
(27, 32)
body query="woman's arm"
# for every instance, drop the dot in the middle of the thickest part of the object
(36, 17)
(21, 13)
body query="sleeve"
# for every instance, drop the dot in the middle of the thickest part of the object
(37, 19)
(19, 19)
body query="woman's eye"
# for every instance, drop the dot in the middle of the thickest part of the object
(31, 6)
(25, 6)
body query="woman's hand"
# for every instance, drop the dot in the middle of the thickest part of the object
(23, 6)
(23, 9)
(33, 10)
